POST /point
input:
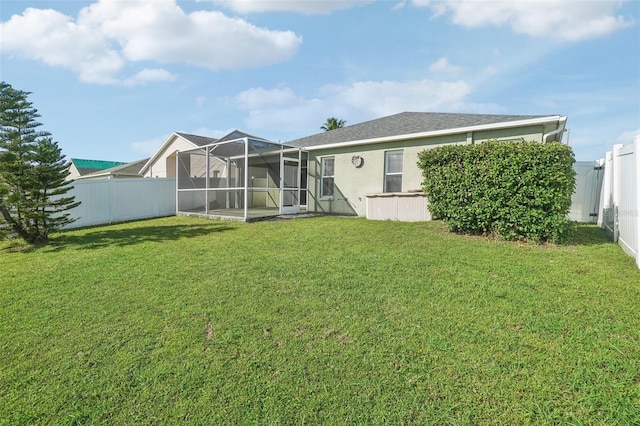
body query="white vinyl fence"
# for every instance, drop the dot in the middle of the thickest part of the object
(620, 199)
(119, 200)
(585, 200)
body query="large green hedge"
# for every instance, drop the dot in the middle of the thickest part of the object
(515, 190)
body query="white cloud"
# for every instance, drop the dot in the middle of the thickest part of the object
(390, 97)
(626, 138)
(148, 76)
(306, 7)
(258, 98)
(560, 19)
(200, 100)
(55, 39)
(443, 65)
(399, 5)
(210, 133)
(148, 147)
(110, 34)
(282, 110)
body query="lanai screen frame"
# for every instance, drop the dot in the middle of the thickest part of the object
(219, 176)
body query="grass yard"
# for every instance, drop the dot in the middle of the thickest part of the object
(316, 321)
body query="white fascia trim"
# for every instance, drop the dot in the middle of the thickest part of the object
(493, 126)
(107, 175)
(159, 152)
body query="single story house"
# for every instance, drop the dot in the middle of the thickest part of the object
(127, 170)
(79, 167)
(370, 169)
(163, 161)
(367, 169)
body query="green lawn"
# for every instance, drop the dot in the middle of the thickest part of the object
(320, 320)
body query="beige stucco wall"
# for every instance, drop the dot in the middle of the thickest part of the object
(167, 158)
(529, 133)
(352, 183)
(73, 172)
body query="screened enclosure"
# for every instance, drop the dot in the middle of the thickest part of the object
(242, 179)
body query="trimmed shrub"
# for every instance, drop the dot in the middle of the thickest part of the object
(514, 190)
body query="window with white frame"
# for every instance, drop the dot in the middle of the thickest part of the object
(393, 171)
(328, 168)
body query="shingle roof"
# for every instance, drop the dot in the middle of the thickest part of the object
(132, 168)
(237, 134)
(202, 140)
(405, 123)
(197, 140)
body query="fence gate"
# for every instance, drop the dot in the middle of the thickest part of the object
(585, 200)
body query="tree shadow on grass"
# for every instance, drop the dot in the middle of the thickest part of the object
(99, 237)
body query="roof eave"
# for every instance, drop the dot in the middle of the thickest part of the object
(444, 132)
(159, 152)
(106, 175)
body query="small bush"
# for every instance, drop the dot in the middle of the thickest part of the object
(515, 190)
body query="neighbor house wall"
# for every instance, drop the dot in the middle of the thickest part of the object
(165, 165)
(74, 173)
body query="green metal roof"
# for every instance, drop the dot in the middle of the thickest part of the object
(95, 164)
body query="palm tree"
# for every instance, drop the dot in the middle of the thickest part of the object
(333, 123)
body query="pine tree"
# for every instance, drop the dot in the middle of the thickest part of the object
(32, 171)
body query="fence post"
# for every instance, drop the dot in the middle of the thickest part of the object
(617, 183)
(636, 208)
(606, 194)
(616, 223)
(110, 194)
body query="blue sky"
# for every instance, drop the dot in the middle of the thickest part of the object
(113, 78)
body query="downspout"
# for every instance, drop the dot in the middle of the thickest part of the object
(561, 124)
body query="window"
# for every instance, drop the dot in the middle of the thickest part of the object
(393, 171)
(326, 187)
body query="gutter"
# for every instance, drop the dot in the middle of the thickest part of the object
(561, 125)
(501, 125)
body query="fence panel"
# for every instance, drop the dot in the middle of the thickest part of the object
(118, 200)
(628, 203)
(620, 199)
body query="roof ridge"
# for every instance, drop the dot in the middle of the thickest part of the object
(411, 123)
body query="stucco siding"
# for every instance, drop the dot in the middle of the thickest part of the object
(351, 183)
(529, 133)
(167, 157)
(73, 172)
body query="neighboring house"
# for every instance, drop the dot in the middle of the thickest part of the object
(80, 167)
(127, 170)
(163, 162)
(370, 169)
